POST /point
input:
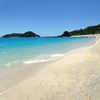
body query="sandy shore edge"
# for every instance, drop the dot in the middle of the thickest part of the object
(74, 77)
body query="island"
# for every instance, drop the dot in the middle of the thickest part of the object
(91, 30)
(26, 34)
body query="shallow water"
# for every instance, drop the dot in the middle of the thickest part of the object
(21, 58)
(32, 50)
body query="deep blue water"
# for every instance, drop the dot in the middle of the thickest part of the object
(32, 50)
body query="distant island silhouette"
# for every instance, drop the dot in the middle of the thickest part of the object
(87, 31)
(26, 34)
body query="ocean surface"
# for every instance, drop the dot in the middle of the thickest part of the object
(23, 51)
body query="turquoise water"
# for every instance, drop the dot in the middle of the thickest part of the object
(32, 50)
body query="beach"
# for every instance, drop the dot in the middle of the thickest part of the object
(22, 58)
(74, 77)
(90, 35)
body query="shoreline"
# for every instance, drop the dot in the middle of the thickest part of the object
(90, 35)
(48, 74)
(45, 59)
(35, 68)
(58, 56)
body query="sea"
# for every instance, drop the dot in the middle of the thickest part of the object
(21, 58)
(23, 51)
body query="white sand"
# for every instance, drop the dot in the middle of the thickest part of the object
(74, 77)
(89, 35)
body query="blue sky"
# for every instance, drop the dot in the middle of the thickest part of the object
(47, 17)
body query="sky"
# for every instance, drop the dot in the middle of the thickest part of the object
(47, 17)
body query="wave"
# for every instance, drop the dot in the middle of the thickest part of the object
(50, 58)
(57, 55)
(34, 61)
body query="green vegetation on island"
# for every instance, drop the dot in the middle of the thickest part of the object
(87, 31)
(65, 34)
(26, 34)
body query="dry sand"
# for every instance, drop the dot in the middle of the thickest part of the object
(74, 77)
(89, 35)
